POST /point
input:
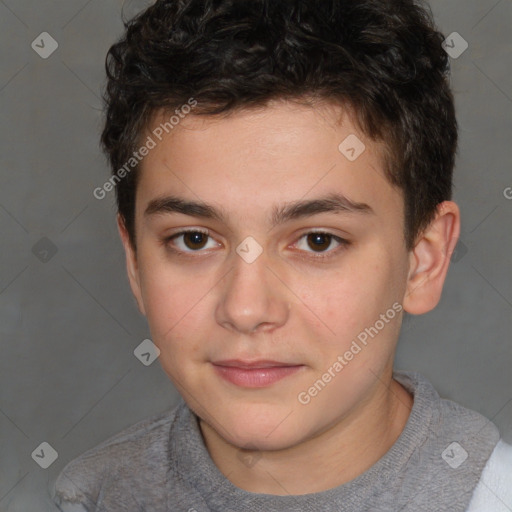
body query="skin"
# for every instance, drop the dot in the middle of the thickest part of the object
(288, 305)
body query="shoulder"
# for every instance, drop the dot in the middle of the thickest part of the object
(124, 457)
(458, 446)
(494, 490)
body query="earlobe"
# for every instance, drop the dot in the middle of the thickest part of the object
(131, 264)
(430, 259)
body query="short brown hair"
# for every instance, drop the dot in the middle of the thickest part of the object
(384, 58)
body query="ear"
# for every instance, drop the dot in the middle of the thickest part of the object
(131, 264)
(430, 258)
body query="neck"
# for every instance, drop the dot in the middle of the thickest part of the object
(332, 458)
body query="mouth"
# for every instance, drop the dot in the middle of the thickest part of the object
(254, 374)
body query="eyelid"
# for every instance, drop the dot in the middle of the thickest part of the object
(166, 240)
(343, 243)
(318, 255)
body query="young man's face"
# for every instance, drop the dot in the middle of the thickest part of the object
(261, 287)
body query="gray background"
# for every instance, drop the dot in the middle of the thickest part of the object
(69, 325)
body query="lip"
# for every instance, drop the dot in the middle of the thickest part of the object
(254, 374)
(257, 363)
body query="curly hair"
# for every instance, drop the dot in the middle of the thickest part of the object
(382, 58)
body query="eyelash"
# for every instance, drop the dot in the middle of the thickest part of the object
(343, 243)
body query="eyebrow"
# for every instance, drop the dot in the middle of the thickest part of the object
(332, 203)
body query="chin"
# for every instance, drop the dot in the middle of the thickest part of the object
(261, 441)
(262, 429)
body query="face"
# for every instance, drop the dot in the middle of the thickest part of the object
(264, 256)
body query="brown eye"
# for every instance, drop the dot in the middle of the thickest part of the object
(320, 244)
(190, 241)
(319, 241)
(195, 239)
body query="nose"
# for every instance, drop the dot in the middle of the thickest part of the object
(252, 298)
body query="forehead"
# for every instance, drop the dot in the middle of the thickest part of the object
(255, 159)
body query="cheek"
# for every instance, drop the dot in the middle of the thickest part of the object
(343, 298)
(173, 300)
(349, 303)
(178, 326)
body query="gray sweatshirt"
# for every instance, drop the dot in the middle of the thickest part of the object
(161, 464)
